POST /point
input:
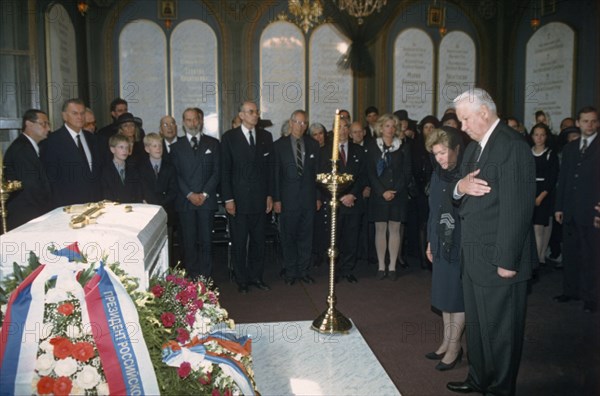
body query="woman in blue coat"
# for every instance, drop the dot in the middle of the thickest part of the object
(443, 247)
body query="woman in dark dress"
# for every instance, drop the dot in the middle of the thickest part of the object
(443, 247)
(389, 169)
(546, 174)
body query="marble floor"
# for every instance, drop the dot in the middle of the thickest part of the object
(291, 359)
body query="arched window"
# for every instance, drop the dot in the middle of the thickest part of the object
(282, 73)
(329, 88)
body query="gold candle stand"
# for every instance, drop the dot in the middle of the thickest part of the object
(333, 321)
(5, 190)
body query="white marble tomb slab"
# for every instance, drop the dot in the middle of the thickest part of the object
(291, 359)
(413, 73)
(549, 74)
(456, 68)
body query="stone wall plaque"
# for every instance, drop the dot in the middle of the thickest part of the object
(329, 88)
(456, 68)
(413, 73)
(194, 79)
(143, 71)
(282, 73)
(61, 58)
(550, 55)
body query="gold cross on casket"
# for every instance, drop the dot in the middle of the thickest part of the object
(85, 214)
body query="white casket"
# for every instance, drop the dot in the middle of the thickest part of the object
(136, 239)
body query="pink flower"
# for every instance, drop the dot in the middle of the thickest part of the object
(202, 287)
(216, 392)
(184, 370)
(182, 335)
(171, 278)
(205, 380)
(66, 309)
(157, 290)
(190, 318)
(199, 304)
(212, 298)
(168, 319)
(227, 392)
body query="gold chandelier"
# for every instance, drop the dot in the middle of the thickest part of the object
(360, 8)
(306, 13)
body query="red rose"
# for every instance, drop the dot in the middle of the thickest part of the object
(227, 392)
(182, 335)
(45, 385)
(66, 309)
(157, 290)
(62, 347)
(216, 392)
(83, 351)
(202, 287)
(184, 370)
(62, 386)
(199, 304)
(205, 380)
(167, 319)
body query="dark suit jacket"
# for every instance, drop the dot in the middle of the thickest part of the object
(162, 189)
(293, 191)
(355, 166)
(578, 188)
(70, 177)
(496, 228)
(197, 172)
(22, 163)
(246, 173)
(113, 189)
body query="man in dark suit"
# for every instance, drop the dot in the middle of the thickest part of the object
(196, 158)
(497, 194)
(351, 202)
(22, 162)
(577, 193)
(371, 116)
(117, 107)
(168, 131)
(295, 196)
(73, 159)
(246, 188)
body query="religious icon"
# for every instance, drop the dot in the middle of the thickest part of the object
(167, 9)
(435, 16)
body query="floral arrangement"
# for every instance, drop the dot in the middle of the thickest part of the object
(67, 359)
(189, 336)
(194, 333)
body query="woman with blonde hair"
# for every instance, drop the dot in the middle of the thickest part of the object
(389, 169)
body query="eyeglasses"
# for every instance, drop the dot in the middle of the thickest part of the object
(301, 123)
(252, 112)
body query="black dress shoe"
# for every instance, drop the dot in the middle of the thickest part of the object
(290, 281)
(243, 288)
(261, 285)
(589, 307)
(435, 356)
(351, 278)
(564, 298)
(461, 387)
(307, 279)
(441, 366)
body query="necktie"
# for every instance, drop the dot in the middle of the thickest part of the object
(156, 170)
(299, 165)
(251, 139)
(584, 146)
(122, 175)
(343, 154)
(80, 147)
(472, 164)
(194, 143)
